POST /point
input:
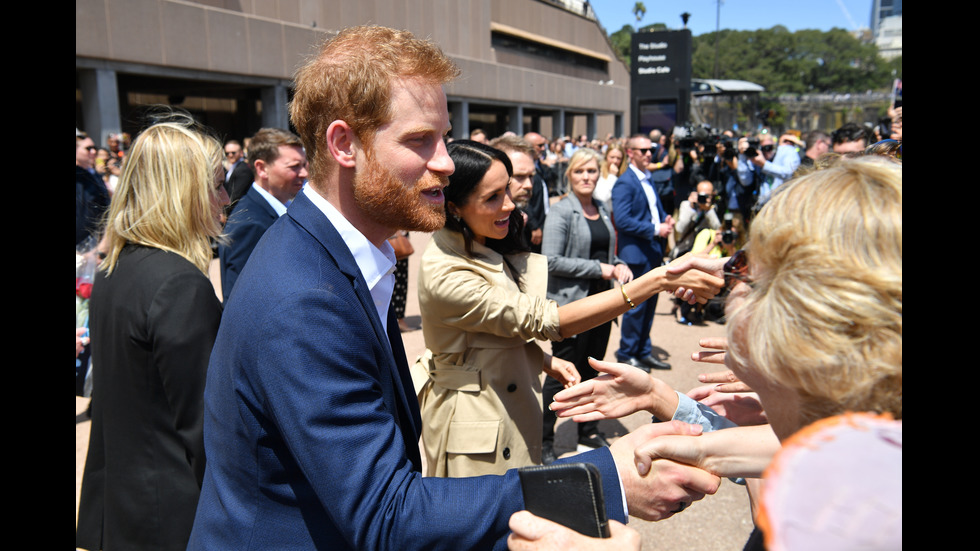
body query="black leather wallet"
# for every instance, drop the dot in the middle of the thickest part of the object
(567, 493)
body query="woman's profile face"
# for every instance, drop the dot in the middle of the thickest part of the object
(488, 207)
(781, 404)
(219, 199)
(582, 178)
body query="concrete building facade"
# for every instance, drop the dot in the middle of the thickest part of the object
(526, 64)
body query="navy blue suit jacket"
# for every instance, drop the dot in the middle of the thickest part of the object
(249, 220)
(311, 422)
(636, 235)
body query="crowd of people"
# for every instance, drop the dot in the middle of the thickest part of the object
(286, 413)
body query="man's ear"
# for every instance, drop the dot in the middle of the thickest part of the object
(261, 169)
(342, 143)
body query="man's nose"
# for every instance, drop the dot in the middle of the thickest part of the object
(441, 162)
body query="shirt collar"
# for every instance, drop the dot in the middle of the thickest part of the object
(377, 266)
(273, 202)
(641, 174)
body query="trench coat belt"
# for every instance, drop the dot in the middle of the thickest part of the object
(426, 371)
(456, 379)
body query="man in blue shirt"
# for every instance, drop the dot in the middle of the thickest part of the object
(777, 164)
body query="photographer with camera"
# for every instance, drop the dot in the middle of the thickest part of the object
(696, 158)
(661, 169)
(777, 163)
(743, 189)
(724, 167)
(696, 214)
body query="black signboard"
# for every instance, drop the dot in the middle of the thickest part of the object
(661, 80)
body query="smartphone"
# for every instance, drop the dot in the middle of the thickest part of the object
(567, 493)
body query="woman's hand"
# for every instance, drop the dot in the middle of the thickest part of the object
(561, 370)
(733, 452)
(717, 348)
(619, 391)
(741, 408)
(694, 278)
(622, 273)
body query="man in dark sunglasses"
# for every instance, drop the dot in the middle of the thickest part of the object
(642, 227)
(239, 175)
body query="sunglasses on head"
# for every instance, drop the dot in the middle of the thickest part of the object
(737, 269)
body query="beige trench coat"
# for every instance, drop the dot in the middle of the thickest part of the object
(479, 380)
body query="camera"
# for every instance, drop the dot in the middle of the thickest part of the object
(727, 233)
(703, 198)
(730, 150)
(752, 149)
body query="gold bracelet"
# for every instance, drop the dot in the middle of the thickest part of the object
(627, 297)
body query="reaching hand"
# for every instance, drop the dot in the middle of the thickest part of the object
(689, 275)
(742, 408)
(533, 533)
(717, 348)
(622, 274)
(732, 452)
(664, 487)
(691, 261)
(619, 391)
(562, 371)
(729, 382)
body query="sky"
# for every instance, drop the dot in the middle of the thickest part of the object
(742, 15)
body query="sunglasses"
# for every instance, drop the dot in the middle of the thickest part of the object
(737, 269)
(230, 153)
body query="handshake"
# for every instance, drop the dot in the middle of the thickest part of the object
(663, 467)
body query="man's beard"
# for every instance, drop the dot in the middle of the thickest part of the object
(521, 201)
(387, 201)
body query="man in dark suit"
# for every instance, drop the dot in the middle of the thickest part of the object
(311, 419)
(239, 176)
(91, 195)
(642, 228)
(280, 172)
(538, 205)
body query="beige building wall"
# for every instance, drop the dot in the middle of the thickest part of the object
(262, 42)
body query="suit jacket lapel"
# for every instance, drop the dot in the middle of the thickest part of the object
(403, 404)
(258, 199)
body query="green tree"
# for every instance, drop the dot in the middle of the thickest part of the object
(639, 10)
(805, 61)
(621, 41)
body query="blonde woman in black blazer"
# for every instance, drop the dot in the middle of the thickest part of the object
(154, 317)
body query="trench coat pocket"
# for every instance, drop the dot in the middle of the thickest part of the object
(472, 437)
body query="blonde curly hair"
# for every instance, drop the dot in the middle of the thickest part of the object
(824, 315)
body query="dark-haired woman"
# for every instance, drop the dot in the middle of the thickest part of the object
(483, 301)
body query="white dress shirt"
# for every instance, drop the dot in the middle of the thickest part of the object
(376, 265)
